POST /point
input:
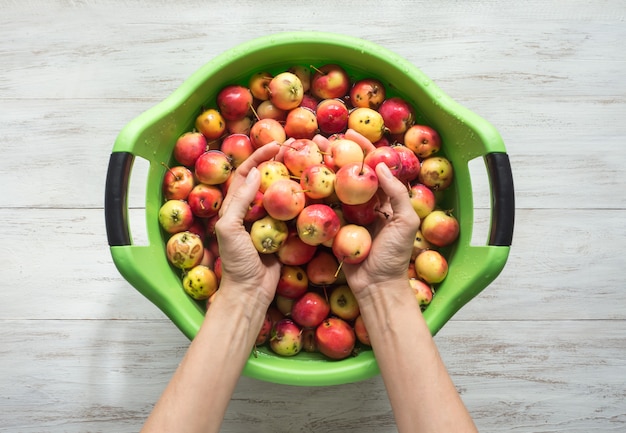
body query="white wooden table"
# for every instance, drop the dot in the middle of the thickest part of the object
(542, 349)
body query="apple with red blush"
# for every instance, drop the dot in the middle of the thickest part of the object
(175, 216)
(356, 183)
(286, 338)
(237, 147)
(367, 92)
(330, 81)
(294, 251)
(301, 122)
(265, 131)
(300, 154)
(292, 282)
(317, 223)
(310, 309)
(213, 167)
(284, 199)
(352, 244)
(335, 338)
(397, 114)
(422, 199)
(178, 181)
(205, 200)
(234, 101)
(440, 228)
(386, 155)
(362, 214)
(285, 90)
(410, 164)
(423, 140)
(188, 147)
(332, 116)
(321, 270)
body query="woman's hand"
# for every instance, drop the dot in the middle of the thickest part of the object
(243, 269)
(392, 243)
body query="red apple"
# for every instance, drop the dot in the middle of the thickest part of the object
(440, 228)
(362, 214)
(286, 90)
(361, 331)
(352, 244)
(234, 101)
(398, 115)
(368, 92)
(310, 310)
(175, 216)
(213, 167)
(205, 200)
(264, 332)
(265, 131)
(330, 81)
(178, 182)
(321, 270)
(423, 140)
(422, 199)
(189, 147)
(301, 122)
(356, 183)
(335, 338)
(294, 252)
(317, 223)
(284, 199)
(237, 147)
(300, 154)
(292, 282)
(332, 116)
(410, 164)
(255, 209)
(286, 338)
(388, 156)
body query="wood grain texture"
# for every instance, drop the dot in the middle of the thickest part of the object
(540, 350)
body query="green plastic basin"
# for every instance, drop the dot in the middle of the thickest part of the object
(466, 136)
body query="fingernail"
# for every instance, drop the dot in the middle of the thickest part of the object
(252, 175)
(385, 169)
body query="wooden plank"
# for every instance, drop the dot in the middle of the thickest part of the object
(523, 376)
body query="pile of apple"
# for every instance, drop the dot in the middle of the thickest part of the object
(317, 201)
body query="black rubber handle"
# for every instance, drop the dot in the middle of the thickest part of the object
(503, 199)
(115, 198)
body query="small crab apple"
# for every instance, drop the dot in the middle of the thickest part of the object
(240, 126)
(356, 183)
(363, 214)
(178, 181)
(431, 266)
(294, 252)
(175, 216)
(200, 282)
(309, 101)
(237, 147)
(330, 81)
(352, 244)
(259, 83)
(213, 167)
(343, 304)
(388, 156)
(335, 338)
(284, 199)
(234, 101)
(211, 124)
(332, 116)
(268, 234)
(423, 291)
(286, 90)
(271, 171)
(440, 228)
(436, 172)
(284, 304)
(410, 164)
(255, 209)
(188, 147)
(286, 338)
(310, 309)
(292, 282)
(205, 200)
(419, 244)
(267, 110)
(322, 268)
(264, 332)
(317, 223)
(341, 152)
(423, 140)
(368, 93)
(422, 199)
(361, 331)
(300, 154)
(304, 73)
(184, 250)
(367, 122)
(397, 114)
(318, 181)
(301, 122)
(265, 131)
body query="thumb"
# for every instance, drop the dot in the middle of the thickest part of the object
(397, 193)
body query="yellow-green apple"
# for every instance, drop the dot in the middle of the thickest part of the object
(367, 92)
(318, 181)
(419, 244)
(211, 124)
(286, 338)
(184, 250)
(271, 171)
(343, 304)
(423, 292)
(258, 85)
(436, 172)
(175, 216)
(431, 266)
(200, 282)
(267, 110)
(422, 199)
(367, 122)
(285, 90)
(304, 73)
(268, 234)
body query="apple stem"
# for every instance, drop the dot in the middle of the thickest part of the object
(291, 176)
(317, 70)
(167, 167)
(338, 269)
(254, 112)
